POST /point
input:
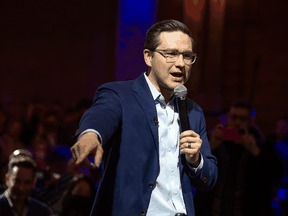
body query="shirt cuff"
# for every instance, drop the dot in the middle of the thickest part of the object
(91, 130)
(200, 166)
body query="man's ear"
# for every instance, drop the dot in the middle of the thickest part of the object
(147, 57)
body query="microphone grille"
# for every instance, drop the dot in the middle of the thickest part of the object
(180, 91)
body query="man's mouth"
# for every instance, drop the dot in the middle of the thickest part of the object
(177, 74)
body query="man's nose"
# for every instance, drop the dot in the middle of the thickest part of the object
(180, 61)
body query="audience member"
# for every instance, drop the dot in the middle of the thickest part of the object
(278, 142)
(9, 142)
(237, 147)
(56, 136)
(79, 197)
(20, 181)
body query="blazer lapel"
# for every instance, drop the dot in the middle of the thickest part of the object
(144, 97)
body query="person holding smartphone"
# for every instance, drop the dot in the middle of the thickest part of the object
(238, 148)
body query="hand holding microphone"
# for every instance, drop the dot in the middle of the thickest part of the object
(190, 141)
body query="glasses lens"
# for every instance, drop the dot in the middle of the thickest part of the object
(188, 58)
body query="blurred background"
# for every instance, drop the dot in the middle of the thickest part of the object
(55, 54)
(64, 50)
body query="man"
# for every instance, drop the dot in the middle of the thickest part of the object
(135, 124)
(20, 180)
(242, 163)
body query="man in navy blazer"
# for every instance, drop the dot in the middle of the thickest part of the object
(149, 164)
(20, 180)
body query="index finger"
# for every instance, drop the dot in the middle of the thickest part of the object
(189, 133)
(76, 153)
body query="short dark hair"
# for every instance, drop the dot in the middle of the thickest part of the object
(152, 35)
(21, 158)
(242, 104)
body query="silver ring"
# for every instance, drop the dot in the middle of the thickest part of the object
(189, 145)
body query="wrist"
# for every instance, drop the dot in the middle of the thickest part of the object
(194, 162)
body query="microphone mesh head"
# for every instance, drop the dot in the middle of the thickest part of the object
(180, 91)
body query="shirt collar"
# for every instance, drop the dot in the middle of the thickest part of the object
(157, 96)
(154, 91)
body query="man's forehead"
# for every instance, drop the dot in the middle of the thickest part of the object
(175, 40)
(22, 173)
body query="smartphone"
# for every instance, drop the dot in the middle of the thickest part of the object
(231, 134)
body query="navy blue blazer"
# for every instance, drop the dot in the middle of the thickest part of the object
(124, 115)
(35, 207)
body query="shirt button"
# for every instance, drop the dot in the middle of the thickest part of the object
(150, 185)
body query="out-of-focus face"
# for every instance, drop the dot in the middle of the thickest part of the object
(41, 149)
(20, 183)
(52, 123)
(15, 129)
(281, 127)
(239, 118)
(82, 188)
(167, 76)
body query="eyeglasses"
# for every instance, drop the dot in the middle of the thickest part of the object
(172, 56)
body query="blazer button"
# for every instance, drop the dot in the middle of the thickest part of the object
(142, 213)
(204, 179)
(150, 185)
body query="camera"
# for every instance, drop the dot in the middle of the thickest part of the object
(232, 134)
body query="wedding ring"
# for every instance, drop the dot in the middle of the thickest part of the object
(189, 145)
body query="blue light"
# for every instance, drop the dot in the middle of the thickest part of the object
(253, 113)
(64, 151)
(136, 11)
(134, 19)
(282, 194)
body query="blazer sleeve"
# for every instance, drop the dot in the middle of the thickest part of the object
(206, 178)
(104, 115)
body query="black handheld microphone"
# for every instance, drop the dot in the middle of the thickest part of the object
(180, 93)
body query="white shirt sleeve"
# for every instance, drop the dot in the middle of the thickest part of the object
(91, 130)
(200, 166)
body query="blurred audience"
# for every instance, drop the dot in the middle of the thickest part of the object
(10, 141)
(20, 181)
(238, 147)
(46, 130)
(79, 197)
(278, 142)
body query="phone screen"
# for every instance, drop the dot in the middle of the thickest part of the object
(231, 134)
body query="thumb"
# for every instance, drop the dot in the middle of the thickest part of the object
(98, 156)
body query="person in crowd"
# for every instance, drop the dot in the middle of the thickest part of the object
(20, 180)
(79, 197)
(56, 136)
(149, 164)
(239, 149)
(35, 114)
(278, 143)
(40, 147)
(10, 141)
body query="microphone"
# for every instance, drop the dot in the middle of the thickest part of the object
(180, 93)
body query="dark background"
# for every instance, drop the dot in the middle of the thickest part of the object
(64, 50)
